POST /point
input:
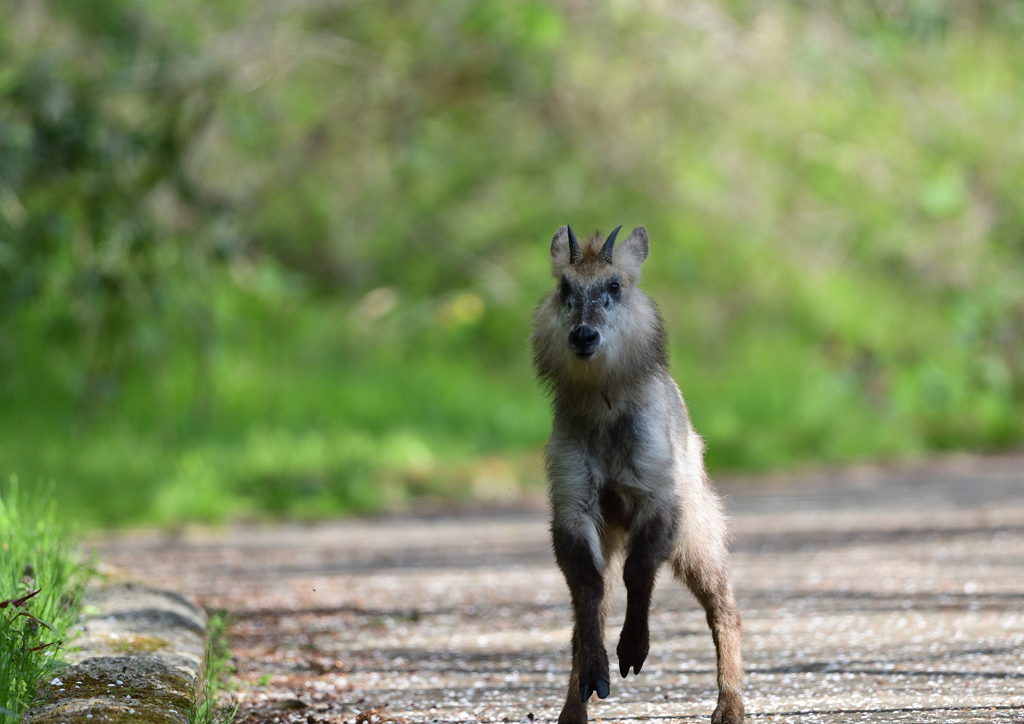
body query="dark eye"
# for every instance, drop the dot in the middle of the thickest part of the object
(565, 290)
(614, 286)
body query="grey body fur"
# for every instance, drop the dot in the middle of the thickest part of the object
(625, 467)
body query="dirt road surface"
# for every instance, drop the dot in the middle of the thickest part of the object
(868, 595)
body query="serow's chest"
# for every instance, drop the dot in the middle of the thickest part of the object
(619, 449)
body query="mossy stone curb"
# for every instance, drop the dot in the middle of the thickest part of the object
(135, 658)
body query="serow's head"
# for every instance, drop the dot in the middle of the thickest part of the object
(595, 282)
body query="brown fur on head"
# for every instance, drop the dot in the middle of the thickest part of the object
(626, 257)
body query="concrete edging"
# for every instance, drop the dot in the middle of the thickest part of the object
(136, 657)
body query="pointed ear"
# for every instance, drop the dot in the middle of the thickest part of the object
(638, 244)
(630, 254)
(560, 252)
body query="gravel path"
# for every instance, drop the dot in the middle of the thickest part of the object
(868, 595)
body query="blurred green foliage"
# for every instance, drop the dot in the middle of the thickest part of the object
(281, 257)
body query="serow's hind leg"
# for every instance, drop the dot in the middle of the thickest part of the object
(650, 545)
(711, 587)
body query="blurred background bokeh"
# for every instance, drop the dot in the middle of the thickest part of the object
(279, 257)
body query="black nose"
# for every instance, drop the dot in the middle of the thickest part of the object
(584, 340)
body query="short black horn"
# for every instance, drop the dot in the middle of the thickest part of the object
(574, 247)
(606, 250)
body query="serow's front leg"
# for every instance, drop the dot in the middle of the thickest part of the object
(586, 588)
(650, 545)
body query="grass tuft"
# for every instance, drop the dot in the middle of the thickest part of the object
(211, 704)
(40, 587)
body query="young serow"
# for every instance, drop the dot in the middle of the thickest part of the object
(625, 467)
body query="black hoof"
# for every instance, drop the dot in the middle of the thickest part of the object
(624, 668)
(601, 686)
(632, 651)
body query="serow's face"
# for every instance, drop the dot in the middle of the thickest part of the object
(588, 303)
(594, 305)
